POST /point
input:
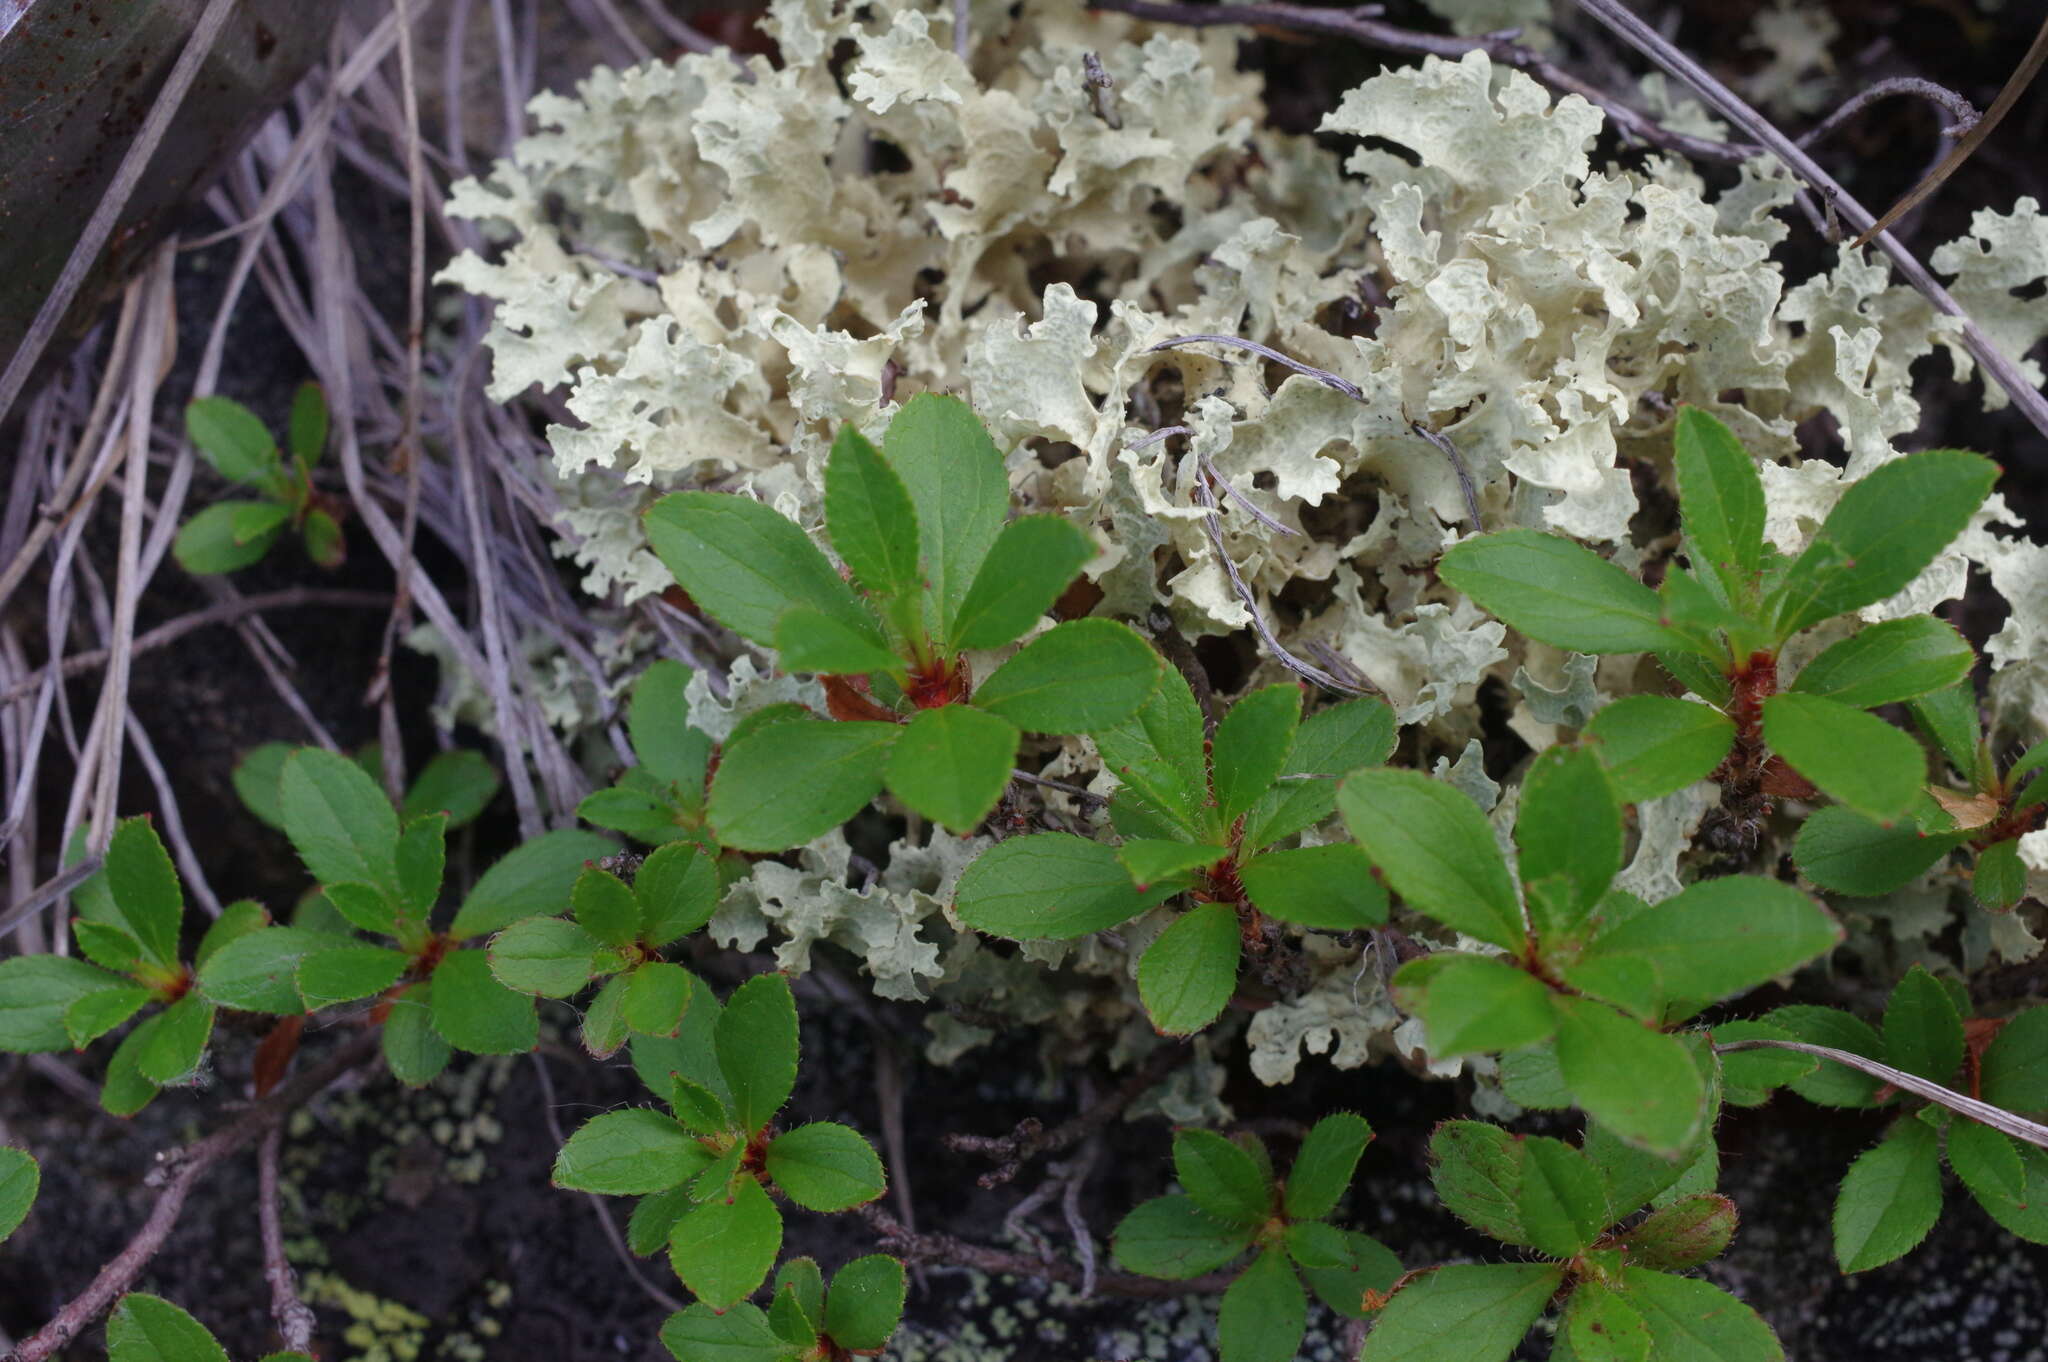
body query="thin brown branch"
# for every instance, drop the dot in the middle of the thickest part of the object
(1031, 1139)
(180, 1171)
(1962, 115)
(951, 1250)
(294, 1317)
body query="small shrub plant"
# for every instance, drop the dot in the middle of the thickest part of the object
(230, 535)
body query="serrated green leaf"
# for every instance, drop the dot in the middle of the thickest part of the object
(1223, 1179)
(800, 1279)
(19, 1180)
(364, 907)
(258, 972)
(2015, 1065)
(1157, 754)
(1462, 1313)
(1695, 1321)
(654, 1217)
(1720, 497)
(35, 993)
(90, 1017)
(1568, 832)
(1653, 745)
(1030, 563)
(459, 783)
(746, 564)
(1368, 1265)
(1474, 1004)
(1322, 1169)
(1049, 886)
(108, 946)
(1435, 848)
(952, 764)
(1688, 1232)
(1712, 939)
(1153, 861)
(1561, 1200)
(604, 1021)
(790, 783)
(233, 440)
(702, 1111)
(124, 1091)
(1600, 1325)
(1188, 973)
(1895, 660)
(1635, 1176)
(658, 723)
(956, 480)
(1889, 1199)
(1856, 758)
(1252, 745)
(1330, 887)
(677, 889)
(545, 956)
(756, 1041)
(865, 1303)
(723, 1249)
(741, 1334)
(1331, 742)
(1832, 1085)
(474, 1012)
(414, 1053)
(1887, 527)
(1999, 878)
(342, 974)
(656, 995)
(1078, 677)
(808, 640)
(824, 1166)
(1949, 717)
(626, 1153)
(176, 1040)
(1173, 1238)
(2007, 1178)
(236, 920)
(1264, 1312)
(255, 779)
(342, 826)
(422, 860)
(144, 886)
(1640, 1083)
(145, 1328)
(1840, 849)
(1476, 1169)
(534, 879)
(607, 910)
(1557, 592)
(869, 516)
(1923, 1034)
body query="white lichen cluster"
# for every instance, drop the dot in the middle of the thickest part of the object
(719, 264)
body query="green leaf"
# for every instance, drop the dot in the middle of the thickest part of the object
(1841, 850)
(740, 1334)
(1323, 1168)
(1695, 1321)
(255, 779)
(1854, 757)
(545, 956)
(19, 1179)
(1188, 973)
(865, 1303)
(1601, 1326)
(1264, 1312)
(723, 1249)
(1888, 526)
(342, 974)
(306, 428)
(1476, 1169)
(951, 764)
(257, 522)
(1999, 879)
(1157, 753)
(2008, 1179)
(258, 972)
(1635, 1176)
(1252, 745)
(1890, 1198)
(92, 1016)
(1329, 887)
(1568, 831)
(1173, 1238)
(702, 1111)
(812, 641)
(1713, 939)
(623, 1153)
(1640, 1083)
(677, 888)
(1923, 1034)
(658, 722)
(1153, 861)
(1049, 886)
(824, 1166)
(1031, 562)
(108, 946)
(656, 995)
(459, 783)
(1832, 1085)
(231, 438)
(212, 542)
(144, 886)
(1720, 496)
(791, 783)
(2015, 1064)
(956, 480)
(146, 1328)
(607, 910)
(1331, 742)
(1367, 1265)
(414, 1053)
(1559, 593)
(800, 1280)
(177, 1039)
(237, 919)
(322, 535)
(363, 906)
(869, 516)
(1474, 1004)
(342, 826)
(1950, 718)
(1688, 1232)
(534, 879)
(1559, 1198)
(1435, 848)
(35, 993)
(1078, 677)
(1463, 1313)
(474, 1012)
(1223, 1179)
(1653, 745)
(422, 860)
(746, 564)
(756, 1041)
(124, 1091)
(1896, 660)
